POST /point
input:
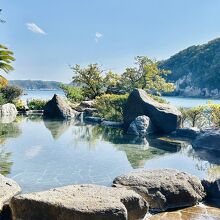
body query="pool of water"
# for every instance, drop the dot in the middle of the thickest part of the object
(41, 154)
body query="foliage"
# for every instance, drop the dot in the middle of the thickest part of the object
(146, 75)
(194, 116)
(198, 64)
(36, 104)
(74, 94)
(10, 93)
(6, 57)
(19, 104)
(215, 114)
(90, 78)
(110, 106)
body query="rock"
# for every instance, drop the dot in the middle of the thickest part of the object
(89, 112)
(82, 202)
(190, 133)
(8, 189)
(8, 113)
(85, 105)
(59, 109)
(165, 118)
(208, 139)
(114, 124)
(141, 126)
(163, 189)
(95, 120)
(212, 189)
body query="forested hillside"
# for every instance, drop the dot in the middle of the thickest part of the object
(196, 70)
(36, 84)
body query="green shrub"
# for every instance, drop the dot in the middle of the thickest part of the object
(194, 117)
(20, 105)
(215, 114)
(73, 94)
(110, 106)
(36, 104)
(10, 93)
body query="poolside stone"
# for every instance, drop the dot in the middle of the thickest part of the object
(8, 189)
(190, 133)
(141, 126)
(84, 202)
(59, 109)
(212, 189)
(8, 113)
(114, 124)
(85, 105)
(163, 189)
(165, 118)
(208, 139)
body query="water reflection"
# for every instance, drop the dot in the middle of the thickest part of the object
(57, 128)
(8, 129)
(55, 153)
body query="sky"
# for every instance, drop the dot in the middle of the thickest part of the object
(47, 36)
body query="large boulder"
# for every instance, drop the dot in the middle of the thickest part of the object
(84, 202)
(59, 109)
(212, 189)
(208, 139)
(164, 117)
(141, 126)
(163, 189)
(190, 133)
(8, 113)
(8, 189)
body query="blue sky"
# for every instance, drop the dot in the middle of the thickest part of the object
(48, 35)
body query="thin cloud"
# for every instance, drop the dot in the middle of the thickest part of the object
(98, 36)
(35, 29)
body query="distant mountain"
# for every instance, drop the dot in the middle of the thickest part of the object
(196, 70)
(36, 84)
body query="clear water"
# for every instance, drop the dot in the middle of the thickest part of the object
(42, 154)
(177, 101)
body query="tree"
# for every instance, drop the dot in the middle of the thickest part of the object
(6, 57)
(112, 82)
(90, 79)
(146, 75)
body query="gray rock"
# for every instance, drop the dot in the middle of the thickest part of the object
(84, 202)
(212, 189)
(190, 133)
(163, 189)
(8, 189)
(141, 126)
(8, 113)
(94, 120)
(59, 109)
(114, 124)
(85, 105)
(165, 118)
(208, 139)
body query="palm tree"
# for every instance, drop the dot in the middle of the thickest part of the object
(6, 57)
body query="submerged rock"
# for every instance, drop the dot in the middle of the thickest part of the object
(95, 120)
(199, 212)
(8, 189)
(114, 124)
(163, 189)
(84, 202)
(208, 139)
(141, 126)
(165, 118)
(59, 109)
